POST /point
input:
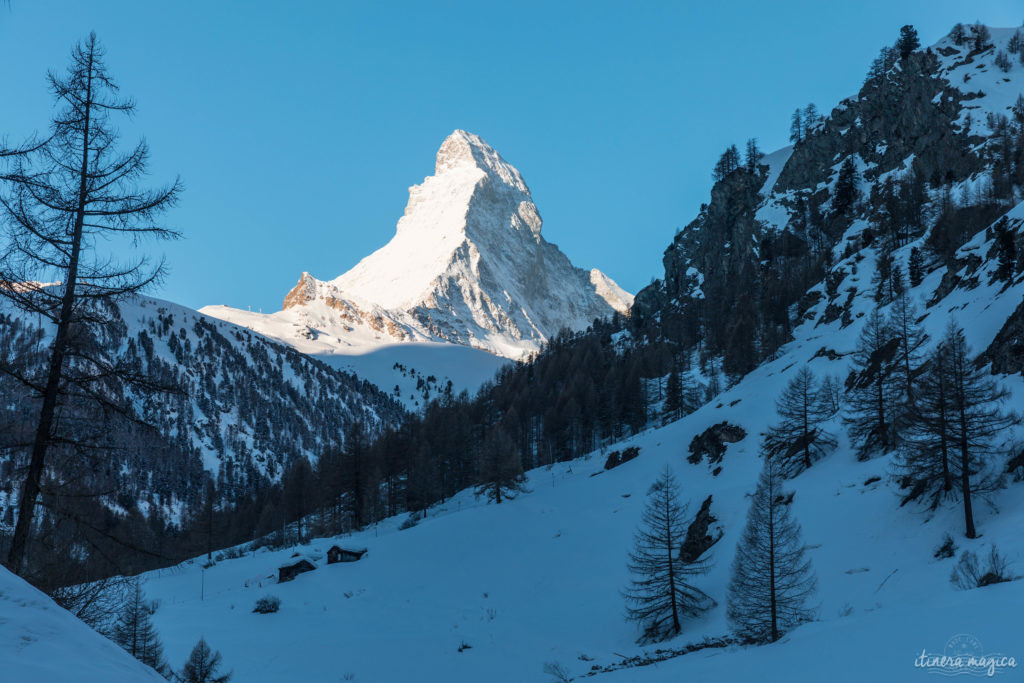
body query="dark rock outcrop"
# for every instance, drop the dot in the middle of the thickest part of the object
(712, 441)
(616, 458)
(700, 535)
(1006, 352)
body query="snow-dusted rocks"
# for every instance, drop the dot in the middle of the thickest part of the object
(467, 265)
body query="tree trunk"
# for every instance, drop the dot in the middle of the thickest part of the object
(807, 431)
(771, 562)
(883, 433)
(676, 626)
(965, 476)
(947, 476)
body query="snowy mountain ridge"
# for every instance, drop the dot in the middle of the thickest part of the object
(247, 407)
(467, 265)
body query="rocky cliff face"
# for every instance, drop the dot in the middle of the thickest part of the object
(930, 137)
(468, 265)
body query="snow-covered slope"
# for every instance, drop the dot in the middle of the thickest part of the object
(385, 363)
(41, 642)
(247, 406)
(497, 592)
(467, 265)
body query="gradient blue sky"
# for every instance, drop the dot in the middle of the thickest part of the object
(298, 127)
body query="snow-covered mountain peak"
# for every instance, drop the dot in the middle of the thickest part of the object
(462, 148)
(303, 292)
(467, 264)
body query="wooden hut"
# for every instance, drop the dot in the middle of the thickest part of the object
(339, 554)
(294, 567)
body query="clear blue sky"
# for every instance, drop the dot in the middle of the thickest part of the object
(298, 127)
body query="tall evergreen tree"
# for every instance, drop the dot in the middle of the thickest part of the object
(911, 338)
(846, 194)
(135, 632)
(908, 41)
(754, 155)
(796, 127)
(872, 396)
(501, 467)
(741, 335)
(915, 267)
(1006, 249)
(203, 666)
(727, 163)
(772, 579)
(882, 280)
(297, 495)
(811, 117)
(925, 464)
(798, 439)
(674, 400)
(659, 596)
(977, 419)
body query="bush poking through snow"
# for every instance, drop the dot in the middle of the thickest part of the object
(267, 605)
(557, 671)
(947, 549)
(969, 573)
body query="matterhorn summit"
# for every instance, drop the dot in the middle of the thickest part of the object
(467, 265)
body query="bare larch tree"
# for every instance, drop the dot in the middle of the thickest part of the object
(772, 579)
(62, 202)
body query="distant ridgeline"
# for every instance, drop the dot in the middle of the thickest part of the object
(229, 412)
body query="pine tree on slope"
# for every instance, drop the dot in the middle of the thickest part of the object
(796, 127)
(135, 632)
(882, 280)
(911, 339)
(772, 579)
(976, 420)
(798, 439)
(659, 596)
(202, 666)
(915, 267)
(500, 467)
(925, 463)
(872, 395)
(727, 163)
(680, 397)
(754, 155)
(846, 193)
(908, 41)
